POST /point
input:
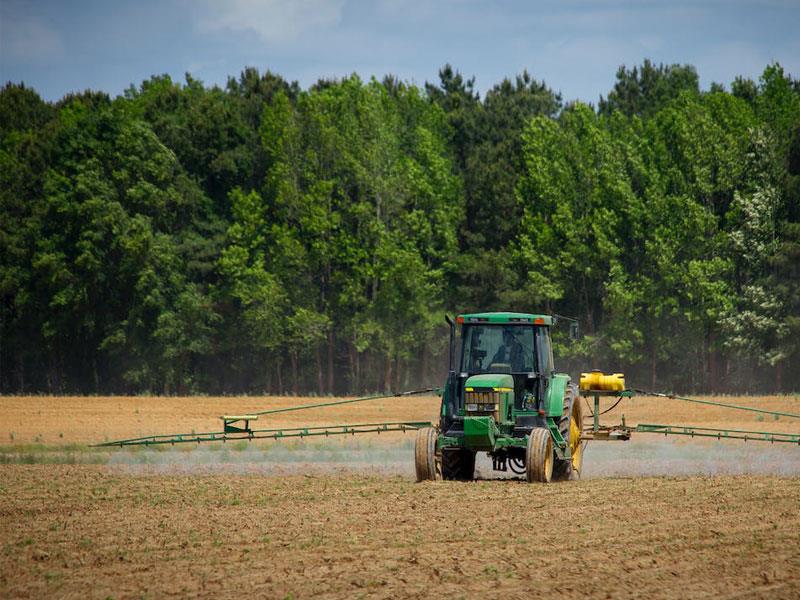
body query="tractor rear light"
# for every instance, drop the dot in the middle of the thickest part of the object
(541, 412)
(460, 320)
(538, 321)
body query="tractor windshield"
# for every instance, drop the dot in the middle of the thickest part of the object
(497, 349)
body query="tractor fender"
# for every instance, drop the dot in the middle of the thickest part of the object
(554, 398)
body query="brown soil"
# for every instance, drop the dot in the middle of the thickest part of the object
(69, 419)
(650, 409)
(66, 419)
(89, 531)
(302, 520)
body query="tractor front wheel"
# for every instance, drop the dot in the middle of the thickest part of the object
(539, 456)
(425, 460)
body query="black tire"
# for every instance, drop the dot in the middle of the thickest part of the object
(458, 464)
(539, 456)
(563, 469)
(425, 454)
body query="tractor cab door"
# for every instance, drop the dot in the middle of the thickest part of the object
(545, 363)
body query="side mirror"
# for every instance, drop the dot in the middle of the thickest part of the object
(574, 327)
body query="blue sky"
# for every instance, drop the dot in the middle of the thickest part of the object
(574, 45)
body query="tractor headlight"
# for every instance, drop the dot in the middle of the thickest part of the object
(472, 408)
(489, 407)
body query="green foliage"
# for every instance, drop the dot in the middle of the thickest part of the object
(660, 230)
(644, 90)
(262, 237)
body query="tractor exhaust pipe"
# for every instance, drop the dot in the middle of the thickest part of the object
(451, 387)
(452, 355)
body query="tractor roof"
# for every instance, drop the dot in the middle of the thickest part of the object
(505, 318)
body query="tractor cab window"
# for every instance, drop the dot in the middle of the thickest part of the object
(498, 349)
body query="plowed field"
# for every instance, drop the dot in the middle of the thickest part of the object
(345, 518)
(81, 420)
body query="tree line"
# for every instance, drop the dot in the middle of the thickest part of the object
(263, 238)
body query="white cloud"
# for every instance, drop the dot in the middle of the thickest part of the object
(274, 21)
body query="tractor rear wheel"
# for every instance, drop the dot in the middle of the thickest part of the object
(458, 464)
(570, 426)
(539, 456)
(425, 460)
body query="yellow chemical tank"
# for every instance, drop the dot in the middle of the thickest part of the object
(597, 380)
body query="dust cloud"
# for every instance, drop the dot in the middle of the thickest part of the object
(276, 458)
(673, 457)
(636, 458)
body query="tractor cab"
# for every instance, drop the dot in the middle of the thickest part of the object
(519, 348)
(504, 367)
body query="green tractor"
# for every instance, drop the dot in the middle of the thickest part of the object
(503, 397)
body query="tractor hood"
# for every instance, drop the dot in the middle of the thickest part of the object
(487, 402)
(494, 382)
